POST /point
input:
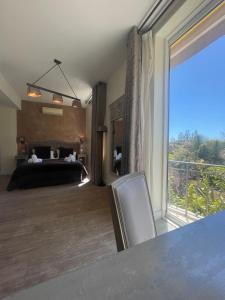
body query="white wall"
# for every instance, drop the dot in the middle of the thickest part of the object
(8, 94)
(115, 89)
(8, 132)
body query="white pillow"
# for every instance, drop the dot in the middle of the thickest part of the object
(52, 154)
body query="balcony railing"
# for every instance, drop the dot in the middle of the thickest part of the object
(195, 190)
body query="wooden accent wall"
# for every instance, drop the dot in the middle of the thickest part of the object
(38, 127)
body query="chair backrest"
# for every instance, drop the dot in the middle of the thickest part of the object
(132, 212)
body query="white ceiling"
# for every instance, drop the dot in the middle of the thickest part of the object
(88, 36)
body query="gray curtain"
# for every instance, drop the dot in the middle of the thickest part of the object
(139, 104)
(147, 105)
(132, 149)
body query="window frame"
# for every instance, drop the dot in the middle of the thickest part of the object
(190, 13)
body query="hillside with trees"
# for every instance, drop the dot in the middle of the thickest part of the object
(192, 147)
(196, 173)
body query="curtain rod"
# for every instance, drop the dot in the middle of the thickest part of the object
(151, 14)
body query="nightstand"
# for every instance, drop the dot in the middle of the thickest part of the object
(82, 157)
(20, 158)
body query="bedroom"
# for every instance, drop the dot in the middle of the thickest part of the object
(84, 102)
(52, 133)
(47, 231)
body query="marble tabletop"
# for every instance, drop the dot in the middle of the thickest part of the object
(187, 263)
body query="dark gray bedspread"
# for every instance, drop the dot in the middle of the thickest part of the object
(49, 172)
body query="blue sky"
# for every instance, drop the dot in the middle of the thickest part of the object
(197, 93)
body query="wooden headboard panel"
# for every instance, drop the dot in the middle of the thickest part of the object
(55, 145)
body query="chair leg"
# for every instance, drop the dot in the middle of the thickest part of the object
(117, 230)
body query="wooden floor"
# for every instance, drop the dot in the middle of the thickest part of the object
(45, 232)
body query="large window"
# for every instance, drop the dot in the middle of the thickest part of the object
(196, 154)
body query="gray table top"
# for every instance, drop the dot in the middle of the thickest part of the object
(188, 263)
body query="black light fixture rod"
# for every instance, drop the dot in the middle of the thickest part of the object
(45, 74)
(57, 63)
(51, 91)
(67, 81)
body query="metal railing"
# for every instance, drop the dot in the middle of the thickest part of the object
(195, 189)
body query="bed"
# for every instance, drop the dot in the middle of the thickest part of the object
(49, 172)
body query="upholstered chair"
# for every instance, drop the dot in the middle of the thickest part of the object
(132, 212)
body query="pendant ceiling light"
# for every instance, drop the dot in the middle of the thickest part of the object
(76, 103)
(57, 99)
(34, 90)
